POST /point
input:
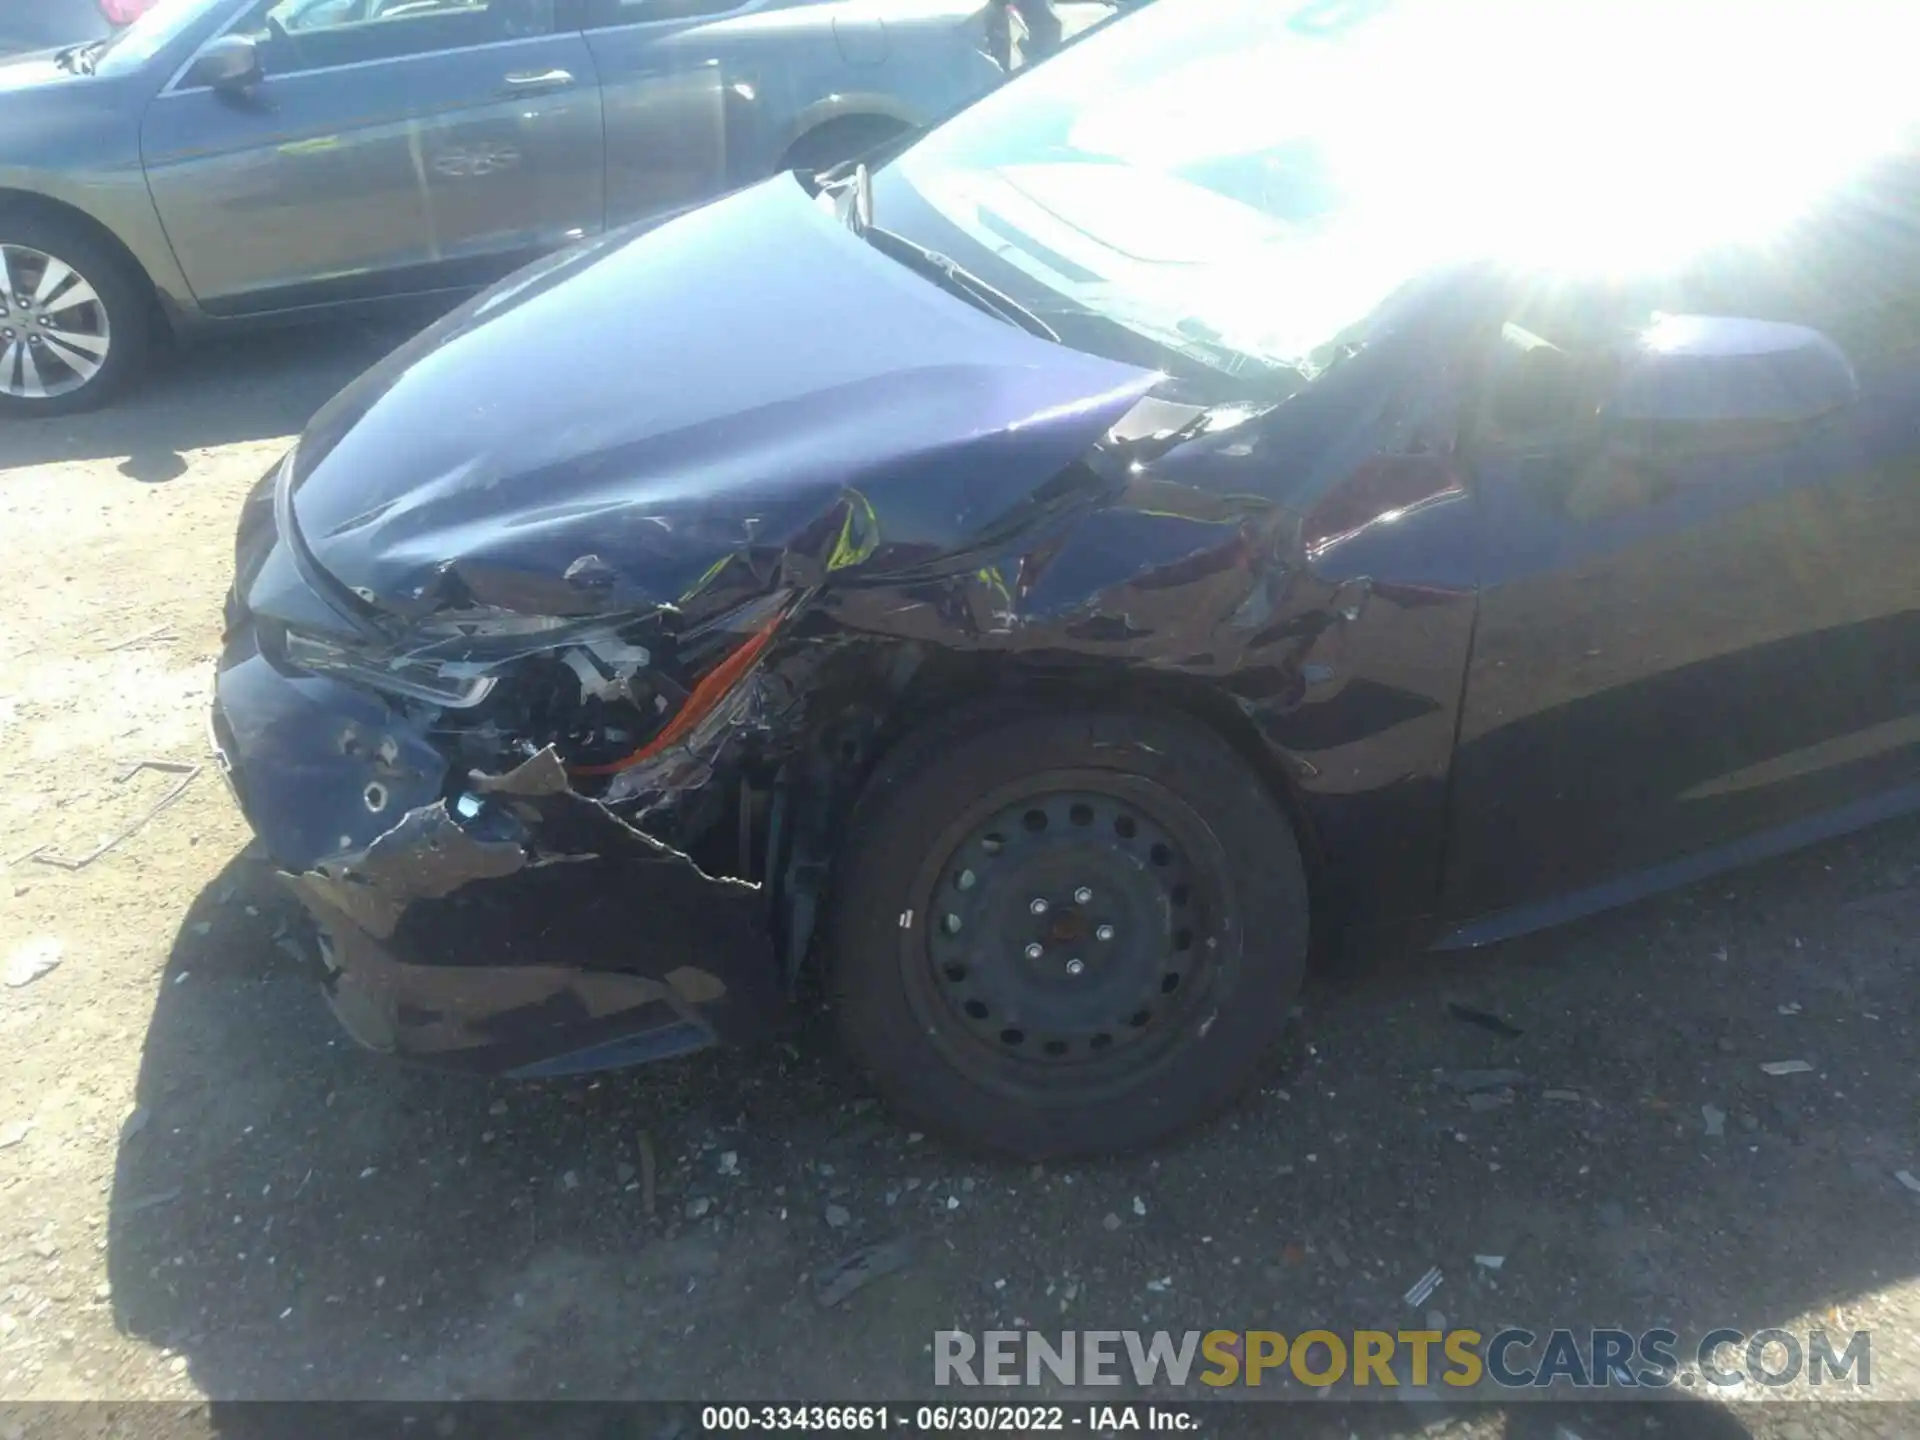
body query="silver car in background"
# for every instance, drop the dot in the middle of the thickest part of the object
(229, 162)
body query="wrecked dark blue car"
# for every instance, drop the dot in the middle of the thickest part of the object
(1241, 482)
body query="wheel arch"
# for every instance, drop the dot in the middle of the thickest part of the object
(842, 112)
(30, 202)
(945, 679)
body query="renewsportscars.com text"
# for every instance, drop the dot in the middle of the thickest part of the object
(1511, 1359)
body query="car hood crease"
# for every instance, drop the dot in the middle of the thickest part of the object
(748, 380)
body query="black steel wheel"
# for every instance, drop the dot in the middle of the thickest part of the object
(1067, 928)
(1066, 933)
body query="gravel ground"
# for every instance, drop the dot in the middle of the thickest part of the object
(206, 1192)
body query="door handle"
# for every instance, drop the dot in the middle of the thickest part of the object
(538, 79)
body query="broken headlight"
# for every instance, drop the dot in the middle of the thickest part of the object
(453, 686)
(605, 694)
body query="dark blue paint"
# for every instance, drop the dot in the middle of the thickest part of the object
(783, 369)
(1493, 658)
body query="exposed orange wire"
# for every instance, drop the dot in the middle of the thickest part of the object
(712, 689)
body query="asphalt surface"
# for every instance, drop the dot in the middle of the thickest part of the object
(215, 1195)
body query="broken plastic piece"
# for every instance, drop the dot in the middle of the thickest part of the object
(1485, 1019)
(1424, 1287)
(186, 772)
(1786, 1067)
(712, 689)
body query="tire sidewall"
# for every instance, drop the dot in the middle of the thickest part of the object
(908, 806)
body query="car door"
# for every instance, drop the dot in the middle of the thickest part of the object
(1702, 647)
(390, 146)
(667, 95)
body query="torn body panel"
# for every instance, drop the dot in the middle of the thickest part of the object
(557, 730)
(525, 928)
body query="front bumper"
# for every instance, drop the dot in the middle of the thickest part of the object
(501, 924)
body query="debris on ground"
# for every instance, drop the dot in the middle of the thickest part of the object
(1715, 1119)
(149, 1202)
(698, 1206)
(1908, 1179)
(1424, 1287)
(46, 855)
(1786, 1067)
(1468, 1082)
(1483, 1100)
(1139, 1206)
(1489, 1262)
(645, 1143)
(162, 632)
(1337, 1253)
(839, 1217)
(33, 959)
(859, 1268)
(1792, 1007)
(729, 1162)
(1112, 1222)
(1485, 1019)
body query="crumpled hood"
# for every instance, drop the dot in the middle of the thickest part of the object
(745, 384)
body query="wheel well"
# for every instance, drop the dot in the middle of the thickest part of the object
(835, 139)
(28, 202)
(944, 681)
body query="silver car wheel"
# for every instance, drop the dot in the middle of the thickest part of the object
(54, 330)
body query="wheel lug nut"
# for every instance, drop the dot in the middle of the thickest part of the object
(1083, 896)
(1037, 906)
(1074, 967)
(1035, 950)
(1103, 932)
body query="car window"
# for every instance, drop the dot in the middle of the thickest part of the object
(602, 14)
(302, 35)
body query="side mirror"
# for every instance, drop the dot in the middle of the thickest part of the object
(1693, 370)
(231, 62)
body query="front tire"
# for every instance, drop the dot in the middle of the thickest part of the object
(1057, 934)
(74, 315)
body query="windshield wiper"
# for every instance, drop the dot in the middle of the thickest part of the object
(856, 208)
(949, 275)
(80, 59)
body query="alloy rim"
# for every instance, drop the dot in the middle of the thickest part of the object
(1068, 930)
(54, 331)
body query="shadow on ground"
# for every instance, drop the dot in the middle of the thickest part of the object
(300, 1219)
(218, 392)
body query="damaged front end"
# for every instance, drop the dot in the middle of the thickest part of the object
(475, 821)
(515, 691)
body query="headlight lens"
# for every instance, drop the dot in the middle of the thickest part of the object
(451, 686)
